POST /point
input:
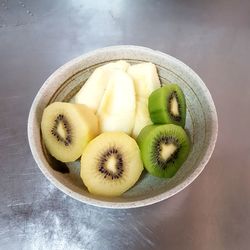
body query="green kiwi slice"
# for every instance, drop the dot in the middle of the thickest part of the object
(168, 105)
(164, 148)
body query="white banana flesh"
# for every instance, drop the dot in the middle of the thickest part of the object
(146, 80)
(117, 108)
(142, 117)
(120, 99)
(123, 65)
(92, 91)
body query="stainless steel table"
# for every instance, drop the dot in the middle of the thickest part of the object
(213, 37)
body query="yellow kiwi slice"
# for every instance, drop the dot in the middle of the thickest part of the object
(111, 164)
(67, 128)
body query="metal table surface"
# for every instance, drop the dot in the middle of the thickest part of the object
(36, 37)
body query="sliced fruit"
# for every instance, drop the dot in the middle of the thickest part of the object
(142, 117)
(168, 105)
(145, 78)
(164, 148)
(92, 91)
(121, 64)
(67, 128)
(111, 164)
(117, 108)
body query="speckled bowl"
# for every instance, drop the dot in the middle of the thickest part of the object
(201, 124)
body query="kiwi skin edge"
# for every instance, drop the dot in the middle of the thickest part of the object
(158, 105)
(146, 140)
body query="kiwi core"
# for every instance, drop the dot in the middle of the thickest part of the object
(174, 109)
(111, 164)
(167, 150)
(61, 130)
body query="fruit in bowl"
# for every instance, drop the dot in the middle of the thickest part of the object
(112, 162)
(128, 90)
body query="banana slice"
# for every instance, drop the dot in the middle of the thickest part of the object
(146, 80)
(142, 117)
(117, 108)
(92, 91)
(123, 65)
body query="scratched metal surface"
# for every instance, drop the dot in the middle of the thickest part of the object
(212, 37)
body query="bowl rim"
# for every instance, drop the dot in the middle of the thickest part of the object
(126, 204)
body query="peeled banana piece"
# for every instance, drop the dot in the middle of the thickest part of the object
(92, 91)
(142, 117)
(118, 105)
(123, 65)
(118, 93)
(146, 80)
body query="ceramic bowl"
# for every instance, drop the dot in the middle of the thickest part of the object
(201, 125)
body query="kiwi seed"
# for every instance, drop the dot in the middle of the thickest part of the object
(170, 100)
(164, 148)
(111, 164)
(112, 152)
(156, 154)
(61, 119)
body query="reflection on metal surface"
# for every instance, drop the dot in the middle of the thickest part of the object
(22, 12)
(210, 36)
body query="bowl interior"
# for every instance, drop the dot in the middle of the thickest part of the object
(201, 124)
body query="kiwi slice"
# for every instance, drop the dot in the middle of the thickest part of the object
(67, 128)
(168, 105)
(111, 164)
(164, 148)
